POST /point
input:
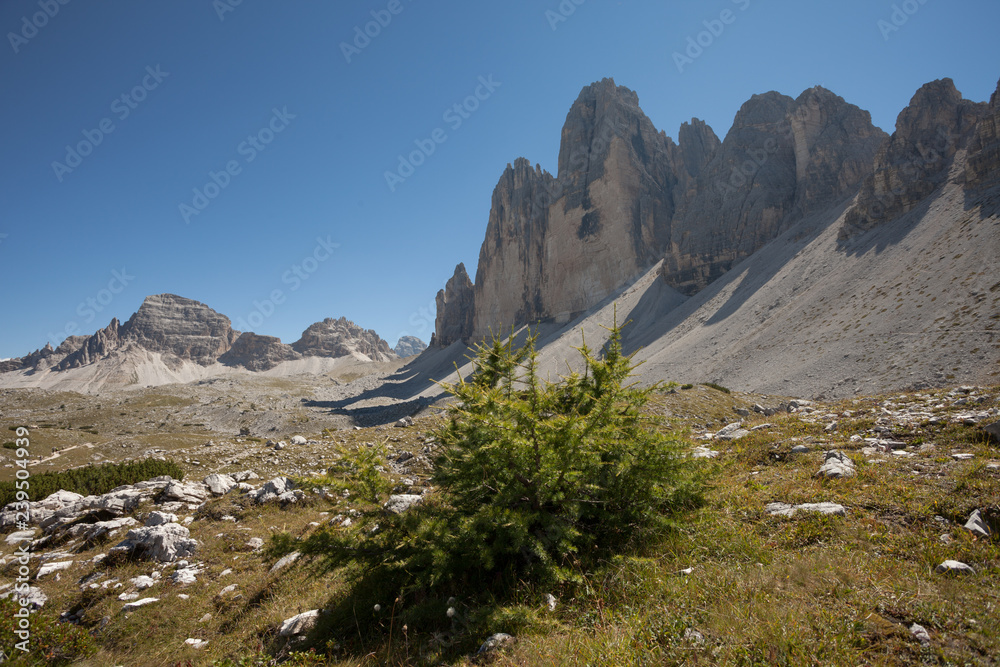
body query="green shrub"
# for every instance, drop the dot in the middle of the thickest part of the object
(717, 387)
(536, 480)
(50, 642)
(91, 480)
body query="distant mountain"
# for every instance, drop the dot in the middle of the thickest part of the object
(407, 346)
(173, 331)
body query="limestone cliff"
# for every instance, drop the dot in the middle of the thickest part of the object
(916, 159)
(453, 321)
(627, 196)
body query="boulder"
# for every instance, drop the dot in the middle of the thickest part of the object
(399, 503)
(299, 440)
(164, 543)
(191, 493)
(218, 484)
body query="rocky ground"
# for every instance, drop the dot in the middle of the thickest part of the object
(164, 570)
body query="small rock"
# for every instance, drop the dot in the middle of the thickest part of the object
(703, 453)
(142, 582)
(785, 509)
(495, 642)
(255, 543)
(139, 603)
(20, 536)
(300, 624)
(692, 636)
(920, 634)
(185, 575)
(800, 449)
(993, 430)
(285, 561)
(281, 445)
(550, 601)
(49, 568)
(962, 456)
(196, 643)
(836, 465)
(954, 566)
(976, 525)
(404, 422)
(299, 440)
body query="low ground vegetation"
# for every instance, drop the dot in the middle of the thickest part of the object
(721, 582)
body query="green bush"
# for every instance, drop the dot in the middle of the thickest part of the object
(51, 642)
(717, 387)
(536, 480)
(91, 480)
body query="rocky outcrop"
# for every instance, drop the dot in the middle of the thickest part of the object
(982, 169)
(258, 353)
(455, 309)
(916, 159)
(627, 196)
(341, 338)
(407, 346)
(101, 344)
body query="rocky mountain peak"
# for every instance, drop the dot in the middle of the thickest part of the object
(342, 337)
(916, 159)
(455, 309)
(627, 196)
(185, 328)
(407, 346)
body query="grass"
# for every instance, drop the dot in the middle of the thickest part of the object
(730, 586)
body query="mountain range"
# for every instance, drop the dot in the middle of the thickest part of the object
(171, 338)
(807, 252)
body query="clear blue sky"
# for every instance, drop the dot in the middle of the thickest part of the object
(321, 174)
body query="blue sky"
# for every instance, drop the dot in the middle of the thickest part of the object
(286, 134)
